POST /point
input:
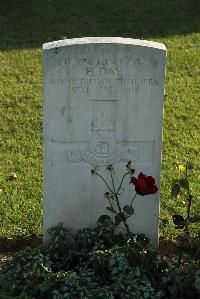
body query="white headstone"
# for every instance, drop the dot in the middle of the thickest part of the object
(103, 104)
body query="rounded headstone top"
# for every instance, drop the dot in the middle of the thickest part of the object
(103, 40)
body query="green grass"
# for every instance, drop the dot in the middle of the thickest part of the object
(25, 26)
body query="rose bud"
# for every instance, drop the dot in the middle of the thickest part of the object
(107, 195)
(109, 168)
(128, 165)
(93, 171)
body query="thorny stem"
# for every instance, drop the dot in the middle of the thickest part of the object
(189, 201)
(186, 229)
(189, 195)
(116, 196)
(133, 199)
(127, 227)
(122, 182)
(120, 210)
(105, 182)
(117, 201)
(111, 204)
(113, 183)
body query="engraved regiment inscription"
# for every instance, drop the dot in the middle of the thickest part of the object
(104, 76)
(96, 153)
(108, 85)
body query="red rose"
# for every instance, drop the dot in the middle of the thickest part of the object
(144, 185)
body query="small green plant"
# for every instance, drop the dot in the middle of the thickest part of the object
(144, 185)
(181, 188)
(124, 268)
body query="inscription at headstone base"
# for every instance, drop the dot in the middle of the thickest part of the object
(103, 104)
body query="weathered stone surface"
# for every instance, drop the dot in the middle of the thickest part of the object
(103, 104)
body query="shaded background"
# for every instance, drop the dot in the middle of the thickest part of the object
(30, 23)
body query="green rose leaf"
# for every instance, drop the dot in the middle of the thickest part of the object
(105, 220)
(111, 209)
(178, 219)
(128, 210)
(184, 183)
(119, 218)
(175, 189)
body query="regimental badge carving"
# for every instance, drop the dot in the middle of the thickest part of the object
(103, 115)
(124, 154)
(103, 121)
(102, 144)
(102, 147)
(103, 150)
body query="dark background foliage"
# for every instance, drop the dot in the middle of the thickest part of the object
(30, 23)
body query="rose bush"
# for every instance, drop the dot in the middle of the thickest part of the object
(144, 185)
